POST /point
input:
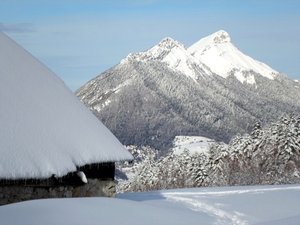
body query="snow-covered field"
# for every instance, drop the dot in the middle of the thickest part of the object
(195, 144)
(261, 205)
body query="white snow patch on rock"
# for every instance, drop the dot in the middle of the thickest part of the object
(82, 176)
(249, 79)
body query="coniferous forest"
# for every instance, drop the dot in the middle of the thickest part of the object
(268, 155)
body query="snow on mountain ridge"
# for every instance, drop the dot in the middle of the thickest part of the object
(169, 43)
(159, 51)
(224, 59)
(175, 55)
(212, 54)
(219, 37)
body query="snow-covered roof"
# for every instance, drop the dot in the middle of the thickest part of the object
(45, 129)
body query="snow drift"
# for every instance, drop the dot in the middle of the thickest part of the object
(260, 205)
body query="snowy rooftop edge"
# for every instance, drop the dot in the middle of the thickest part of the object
(46, 129)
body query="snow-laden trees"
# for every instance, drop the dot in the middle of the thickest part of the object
(217, 166)
(269, 155)
(170, 171)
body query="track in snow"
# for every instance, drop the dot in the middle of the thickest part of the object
(197, 203)
(208, 202)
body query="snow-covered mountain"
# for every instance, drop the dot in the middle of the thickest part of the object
(210, 89)
(224, 59)
(212, 54)
(175, 56)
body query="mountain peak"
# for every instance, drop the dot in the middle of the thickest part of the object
(169, 43)
(215, 52)
(159, 52)
(220, 36)
(223, 58)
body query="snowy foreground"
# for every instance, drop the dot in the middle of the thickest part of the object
(276, 205)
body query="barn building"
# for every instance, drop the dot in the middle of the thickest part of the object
(51, 145)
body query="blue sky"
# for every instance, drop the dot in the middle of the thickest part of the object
(79, 39)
